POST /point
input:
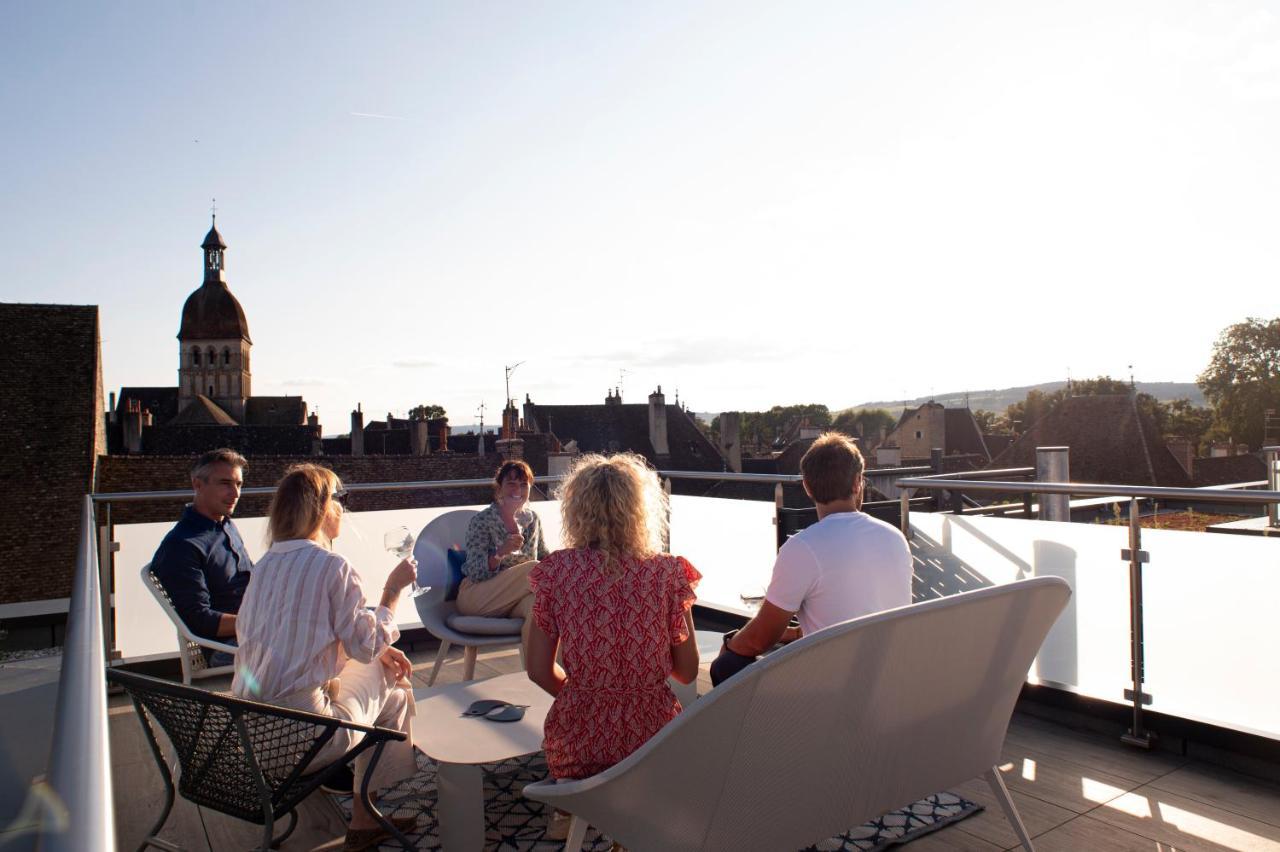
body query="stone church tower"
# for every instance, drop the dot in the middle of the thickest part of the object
(213, 341)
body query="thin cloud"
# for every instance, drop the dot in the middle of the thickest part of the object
(692, 353)
(413, 363)
(377, 115)
(308, 382)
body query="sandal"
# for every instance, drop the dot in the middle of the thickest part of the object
(359, 839)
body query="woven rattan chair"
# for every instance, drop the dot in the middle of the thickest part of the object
(190, 646)
(243, 758)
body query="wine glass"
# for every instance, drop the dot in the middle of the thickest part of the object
(400, 542)
(523, 518)
(752, 595)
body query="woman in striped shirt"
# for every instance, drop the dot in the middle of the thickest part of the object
(308, 642)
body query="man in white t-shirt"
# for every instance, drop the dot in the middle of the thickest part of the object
(846, 565)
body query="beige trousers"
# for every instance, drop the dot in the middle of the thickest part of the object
(505, 595)
(367, 695)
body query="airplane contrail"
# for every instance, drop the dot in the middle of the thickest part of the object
(377, 115)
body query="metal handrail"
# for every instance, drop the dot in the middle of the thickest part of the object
(438, 484)
(1091, 489)
(981, 474)
(79, 775)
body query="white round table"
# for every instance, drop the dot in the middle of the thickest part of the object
(459, 744)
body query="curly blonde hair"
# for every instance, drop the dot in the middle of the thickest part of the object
(614, 504)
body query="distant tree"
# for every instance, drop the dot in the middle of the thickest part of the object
(426, 412)
(1180, 417)
(1242, 380)
(863, 423)
(760, 429)
(989, 422)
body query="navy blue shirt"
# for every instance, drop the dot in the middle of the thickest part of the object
(204, 567)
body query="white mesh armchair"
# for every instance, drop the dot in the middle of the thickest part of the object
(440, 616)
(835, 729)
(190, 646)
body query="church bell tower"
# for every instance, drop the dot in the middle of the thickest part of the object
(213, 340)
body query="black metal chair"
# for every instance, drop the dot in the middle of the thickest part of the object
(243, 758)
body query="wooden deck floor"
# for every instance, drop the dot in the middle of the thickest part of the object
(1075, 791)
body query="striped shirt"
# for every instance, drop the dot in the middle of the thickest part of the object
(302, 617)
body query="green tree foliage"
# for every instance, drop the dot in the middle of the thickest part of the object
(989, 422)
(760, 429)
(1242, 380)
(426, 412)
(864, 422)
(1180, 417)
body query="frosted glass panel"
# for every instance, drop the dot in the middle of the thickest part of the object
(1087, 651)
(1211, 633)
(732, 542)
(143, 631)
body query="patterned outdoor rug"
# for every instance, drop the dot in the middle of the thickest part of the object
(513, 822)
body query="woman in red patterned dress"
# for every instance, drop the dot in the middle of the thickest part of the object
(619, 610)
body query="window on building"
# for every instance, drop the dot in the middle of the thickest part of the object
(226, 357)
(195, 357)
(919, 434)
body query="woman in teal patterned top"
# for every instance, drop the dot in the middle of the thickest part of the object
(500, 553)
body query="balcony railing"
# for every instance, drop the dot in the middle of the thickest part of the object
(732, 542)
(1198, 581)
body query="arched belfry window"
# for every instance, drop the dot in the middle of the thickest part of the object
(195, 357)
(213, 358)
(226, 356)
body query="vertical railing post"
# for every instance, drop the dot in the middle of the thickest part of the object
(1137, 734)
(1053, 465)
(904, 496)
(1272, 455)
(106, 586)
(778, 528)
(935, 464)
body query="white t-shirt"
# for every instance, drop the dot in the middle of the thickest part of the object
(846, 565)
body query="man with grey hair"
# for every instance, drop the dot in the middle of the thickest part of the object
(202, 562)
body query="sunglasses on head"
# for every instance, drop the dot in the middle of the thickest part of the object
(340, 497)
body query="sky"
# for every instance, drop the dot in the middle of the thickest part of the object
(748, 203)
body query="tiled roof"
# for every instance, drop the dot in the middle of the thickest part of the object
(1110, 443)
(997, 444)
(212, 313)
(1228, 470)
(161, 402)
(202, 411)
(275, 411)
(51, 430)
(621, 427)
(963, 434)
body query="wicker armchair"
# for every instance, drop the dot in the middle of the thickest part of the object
(190, 646)
(243, 758)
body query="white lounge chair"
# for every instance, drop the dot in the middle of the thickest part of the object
(439, 616)
(830, 731)
(189, 644)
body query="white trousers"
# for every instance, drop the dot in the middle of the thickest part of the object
(367, 695)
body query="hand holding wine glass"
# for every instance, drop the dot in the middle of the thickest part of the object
(400, 542)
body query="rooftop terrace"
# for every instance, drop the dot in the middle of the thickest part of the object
(1207, 781)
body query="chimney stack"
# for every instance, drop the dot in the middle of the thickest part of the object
(530, 422)
(132, 426)
(730, 443)
(357, 431)
(419, 438)
(658, 423)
